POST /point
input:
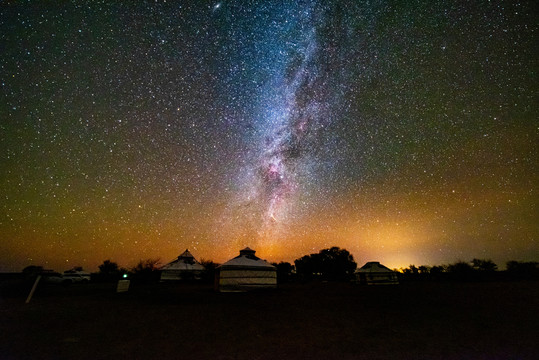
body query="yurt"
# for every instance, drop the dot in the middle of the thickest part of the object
(246, 272)
(185, 267)
(374, 273)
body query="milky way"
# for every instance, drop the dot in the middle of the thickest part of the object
(405, 132)
(292, 111)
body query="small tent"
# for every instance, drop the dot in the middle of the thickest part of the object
(185, 267)
(374, 273)
(246, 272)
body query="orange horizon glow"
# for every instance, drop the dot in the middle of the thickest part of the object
(395, 228)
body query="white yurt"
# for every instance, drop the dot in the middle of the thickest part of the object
(246, 272)
(374, 273)
(185, 267)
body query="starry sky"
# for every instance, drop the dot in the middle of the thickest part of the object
(404, 131)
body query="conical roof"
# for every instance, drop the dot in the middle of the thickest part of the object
(186, 261)
(247, 259)
(247, 251)
(373, 267)
(186, 254)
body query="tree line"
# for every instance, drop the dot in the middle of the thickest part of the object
(476, 269)
(332, 264)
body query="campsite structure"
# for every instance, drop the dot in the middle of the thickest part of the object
(185, 267)
(246, 272)
(374, 273)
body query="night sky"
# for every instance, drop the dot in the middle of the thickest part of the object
(404, 131)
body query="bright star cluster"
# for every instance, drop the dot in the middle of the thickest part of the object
(405, 132)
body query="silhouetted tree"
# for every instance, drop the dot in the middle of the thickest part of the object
(484, 265)
(437, 269)
(108, 271)
(284, 271)
(305, 266)
(108, 267)
(523, 270)
(412, 272)
(309, 266)
(75, 269)
(330, 264)
(32, 270)
(424, 269)
(461, 270)
(208, 275)
(146, 270)
(409, 271)
(460, 267)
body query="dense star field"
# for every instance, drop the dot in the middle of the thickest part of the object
(403, 131)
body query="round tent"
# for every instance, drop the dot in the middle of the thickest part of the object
(183, 268)
(374, 273)
(246, 272)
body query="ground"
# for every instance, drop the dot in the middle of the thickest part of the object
(421, 320)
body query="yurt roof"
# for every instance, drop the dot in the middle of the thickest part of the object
(186, 261)
(186, 254)
(373, 267)
(247, 259)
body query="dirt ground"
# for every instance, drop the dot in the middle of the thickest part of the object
(297, 321)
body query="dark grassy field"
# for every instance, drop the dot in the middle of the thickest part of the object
(297, 321)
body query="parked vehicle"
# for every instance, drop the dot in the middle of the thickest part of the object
(76, 277)
(52, 277)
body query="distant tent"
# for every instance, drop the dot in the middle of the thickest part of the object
(185, 267)
(374, 273)
(246, 272)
